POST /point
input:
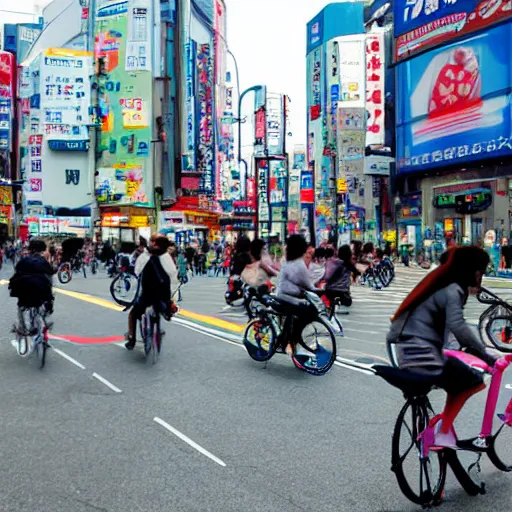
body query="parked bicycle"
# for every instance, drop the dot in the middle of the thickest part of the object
(314, 351)
(31, 332)
(422, 477)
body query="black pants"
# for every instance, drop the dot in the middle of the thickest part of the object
(298, 316)
(344, 297)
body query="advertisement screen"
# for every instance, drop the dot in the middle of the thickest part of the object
(420, 24)
(456, 106)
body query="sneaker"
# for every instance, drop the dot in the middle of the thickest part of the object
(130, 344)
(442, 440)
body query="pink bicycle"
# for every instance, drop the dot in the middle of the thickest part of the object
(424, 483)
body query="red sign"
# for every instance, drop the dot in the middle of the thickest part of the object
(487, 12)
(6, 74)
(260, 124)
(251, 193)
(85, 13)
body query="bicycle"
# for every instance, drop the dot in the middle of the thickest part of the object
(66, 269)
(495, 323)
(270, 331)
(32, 332)
(419, 432)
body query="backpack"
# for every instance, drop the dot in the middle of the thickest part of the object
(156, 284)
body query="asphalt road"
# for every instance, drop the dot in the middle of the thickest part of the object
(206, 428)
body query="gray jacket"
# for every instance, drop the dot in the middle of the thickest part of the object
(294, 280)
(421, 334)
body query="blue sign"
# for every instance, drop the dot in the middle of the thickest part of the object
(454, 103)
(316, 32)
(68, 145)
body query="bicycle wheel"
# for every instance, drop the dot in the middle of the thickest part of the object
(65, 273)
(123, 288)
(147, 334)
(421, 479)
(315, 351)
(41, 351)
(156, 339)
(260, 339)
(500, 449)
(495, 327)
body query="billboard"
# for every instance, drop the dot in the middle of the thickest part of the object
(275, 124)
(7, 87)
(125, 174)
(352, 70)
(422, 24)
(455, 105)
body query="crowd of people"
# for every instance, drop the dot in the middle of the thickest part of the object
(302, 266)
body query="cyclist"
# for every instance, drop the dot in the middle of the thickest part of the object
(338, 276)
(425, 319)
(294, 280)
(156, 271)
(32, 282)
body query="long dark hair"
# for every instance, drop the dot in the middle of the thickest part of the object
(461, 266)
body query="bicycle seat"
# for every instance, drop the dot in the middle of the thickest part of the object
(411, 384)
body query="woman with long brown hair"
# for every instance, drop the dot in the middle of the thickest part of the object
(424, 319)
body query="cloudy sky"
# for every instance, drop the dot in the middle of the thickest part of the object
(268, 38)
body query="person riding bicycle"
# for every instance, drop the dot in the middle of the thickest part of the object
(31, 283)
(423, 322)
(338, 276)
(156, 271)
(294, 280)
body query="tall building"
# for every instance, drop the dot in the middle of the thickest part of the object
(454, 132)
(335, 121)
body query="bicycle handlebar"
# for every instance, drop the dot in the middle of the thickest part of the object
(487, 297)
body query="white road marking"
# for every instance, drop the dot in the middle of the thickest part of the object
(343, 319)
(189, 441)
(107, 383)
(69, 358)
(354, 368)
(359, 330)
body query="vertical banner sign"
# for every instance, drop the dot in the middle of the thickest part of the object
(334, 89)
(263, 206)
(275, 124)
(138, 46)
(375, 67)
(6, 104)
(205, 157)
(316, 88)
(189, 159)
(260, 139)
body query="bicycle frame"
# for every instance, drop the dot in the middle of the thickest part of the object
(491, 403)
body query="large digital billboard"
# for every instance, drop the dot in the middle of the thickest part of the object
(455, 104)
(422, 24)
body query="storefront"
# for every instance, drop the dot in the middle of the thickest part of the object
(126, 225)
(189, 226)
(409, 222)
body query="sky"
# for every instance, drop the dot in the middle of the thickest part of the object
(268, 39)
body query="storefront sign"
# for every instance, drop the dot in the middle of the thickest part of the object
(67, 145)
(260, 140)
(375, 68)
(453, 103)
(378, 165)
(139, 221)
(422, 24)
(114, 220)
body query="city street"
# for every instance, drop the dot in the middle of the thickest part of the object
(206, 428)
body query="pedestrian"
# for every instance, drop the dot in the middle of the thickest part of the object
(190, 255)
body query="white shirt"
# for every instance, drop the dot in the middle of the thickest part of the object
(166, 261)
